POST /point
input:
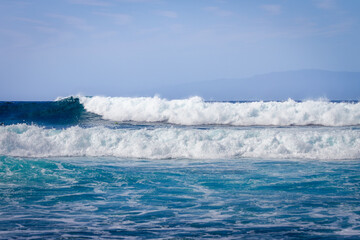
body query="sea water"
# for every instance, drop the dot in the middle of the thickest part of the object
(145, 168)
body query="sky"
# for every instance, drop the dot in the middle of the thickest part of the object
(109, 47)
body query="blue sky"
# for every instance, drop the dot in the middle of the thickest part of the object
(97, 47)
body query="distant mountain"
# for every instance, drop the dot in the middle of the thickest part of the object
(298, 85)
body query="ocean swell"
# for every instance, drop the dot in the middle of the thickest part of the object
(162, 143)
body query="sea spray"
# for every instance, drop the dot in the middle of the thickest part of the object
(196, 111)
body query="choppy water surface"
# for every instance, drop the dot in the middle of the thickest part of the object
(114, 198)
(152, 168)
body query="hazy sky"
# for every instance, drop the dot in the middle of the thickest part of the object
(62, 47)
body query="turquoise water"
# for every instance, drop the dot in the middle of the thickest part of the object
(82, 197)
(151, 168)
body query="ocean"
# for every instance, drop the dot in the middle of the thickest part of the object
(150, 168)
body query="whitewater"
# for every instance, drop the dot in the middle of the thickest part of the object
(162, 143)
(103, 167)
(195, 111)
(155, 128)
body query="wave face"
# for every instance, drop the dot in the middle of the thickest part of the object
(64, 112)
(195, 111)
(163, 143)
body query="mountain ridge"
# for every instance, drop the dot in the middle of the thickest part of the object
(296, 84)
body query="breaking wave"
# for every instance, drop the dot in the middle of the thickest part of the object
(162, 143)
(196, 111)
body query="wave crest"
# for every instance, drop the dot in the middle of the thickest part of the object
(196, 111)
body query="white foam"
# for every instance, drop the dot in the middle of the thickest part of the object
(216, 143)
(195, 111)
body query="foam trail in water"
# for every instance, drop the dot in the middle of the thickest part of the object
(216, 143)
(195, 111)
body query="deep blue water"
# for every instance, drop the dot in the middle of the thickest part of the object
(79, 169)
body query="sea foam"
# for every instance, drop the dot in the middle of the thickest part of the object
(162, 143)
(196, 111)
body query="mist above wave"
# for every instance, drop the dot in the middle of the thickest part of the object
(196, 111)
(161, 143)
